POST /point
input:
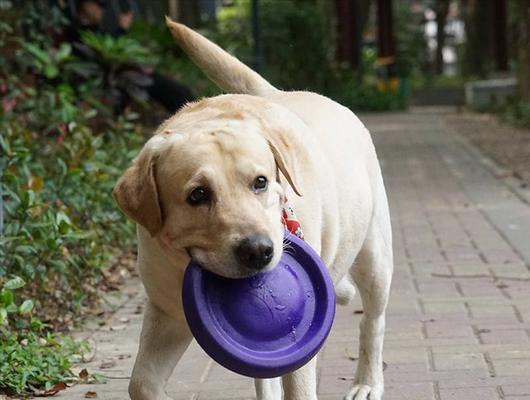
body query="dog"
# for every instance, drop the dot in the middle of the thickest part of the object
(209, 184)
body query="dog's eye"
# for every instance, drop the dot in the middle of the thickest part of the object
(198, 196)
(260, 184)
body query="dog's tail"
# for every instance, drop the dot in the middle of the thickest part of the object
(226, 71)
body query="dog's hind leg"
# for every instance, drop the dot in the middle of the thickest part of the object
(268, 389)
(372, 274)
(163, 341)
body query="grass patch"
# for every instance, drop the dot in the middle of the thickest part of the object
(37, 364)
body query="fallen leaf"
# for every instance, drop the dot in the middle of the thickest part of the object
(91, 395)
(118, 327)
(83, 374)
(53, 390)
(107, 364)
(36, 183)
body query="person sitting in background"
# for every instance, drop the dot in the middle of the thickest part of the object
(90, 15)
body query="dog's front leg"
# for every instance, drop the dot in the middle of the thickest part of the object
(302, 383)
(372, 275)
(268, 389)
(163, 341)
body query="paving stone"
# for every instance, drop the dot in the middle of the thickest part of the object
(459, 361)
(516, 390)
(469, 394)
(504, 336)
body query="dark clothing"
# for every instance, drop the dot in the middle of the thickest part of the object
(168, 92)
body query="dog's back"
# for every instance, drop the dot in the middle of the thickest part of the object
(347, 172)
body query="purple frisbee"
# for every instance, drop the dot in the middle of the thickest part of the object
(266, 325)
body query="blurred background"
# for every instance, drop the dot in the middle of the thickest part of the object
(83, 83)
(367, 54)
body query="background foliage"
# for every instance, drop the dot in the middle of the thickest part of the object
(62, 149)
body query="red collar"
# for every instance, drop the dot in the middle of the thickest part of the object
(289, 219)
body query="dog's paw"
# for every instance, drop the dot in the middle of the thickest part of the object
(360, 391)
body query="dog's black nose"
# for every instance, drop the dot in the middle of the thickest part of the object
(255, 251)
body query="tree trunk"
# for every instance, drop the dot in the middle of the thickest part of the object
(188, 12)
(385, 31)
(351, 20)
(523, 51)
(478, 54)
(500, 32)
(441, 9)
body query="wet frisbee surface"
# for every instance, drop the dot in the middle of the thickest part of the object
(266, 325)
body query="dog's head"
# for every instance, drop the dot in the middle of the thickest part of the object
(207, 184)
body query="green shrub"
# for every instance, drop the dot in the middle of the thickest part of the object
(518, 114)
(122, 49)
(32, 363)
(31, 360)
(61, 225)
(295, 44)
(61, 153)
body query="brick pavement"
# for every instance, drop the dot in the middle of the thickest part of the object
(459, 315)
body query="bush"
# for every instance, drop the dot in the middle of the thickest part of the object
(293, 37)
(61, 225)
(62, 151)
(170, 59)
(295, 49)
(32, 361)
(518, 114)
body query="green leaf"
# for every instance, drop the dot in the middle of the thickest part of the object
(3, 316)
(6, 298)
(12, 308)
(64, 51)
(14, 283)
(38, 53)
(26, 307)
(63, 222)
(27, 198)
(51, 71)
(36, 325)
(25, 249)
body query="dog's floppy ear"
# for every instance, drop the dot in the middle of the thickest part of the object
(284, 157)
(137, 195)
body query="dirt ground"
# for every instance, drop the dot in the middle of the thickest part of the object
(505, 144)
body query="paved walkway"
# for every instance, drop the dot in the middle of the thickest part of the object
(459, 316)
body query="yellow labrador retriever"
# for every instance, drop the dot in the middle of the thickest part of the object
(208, 185)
